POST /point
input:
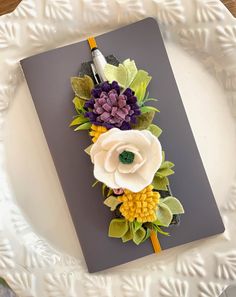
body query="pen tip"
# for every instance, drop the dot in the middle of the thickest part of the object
(92, 42)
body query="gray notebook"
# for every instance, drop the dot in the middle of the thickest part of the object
(48, 77)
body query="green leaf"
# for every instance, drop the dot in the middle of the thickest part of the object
(155, 130)
(173, 204)
(167, 164)
(128, 235)
(116, 73)
(110, 191)
(165, 168)
(88, 149)
(104, 190)
(160, 183)
(141, 77)
(159, 230)
(164, 172)
(156, 227)
(144, 120)
(131, 70)
(146, 96)
(139, 235)
(148, 233)
(79, 104)
(85, 126)
(124, 73)
(145, 109)
(136, 225)
(82, 86)
(149, 99)
(95, 183)
(163, 157)
(164, 214)
(118, 228)
(78, 120)
(112, 202)
(140, 92)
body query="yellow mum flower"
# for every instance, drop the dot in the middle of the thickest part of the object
(96, 131)
(141, 206)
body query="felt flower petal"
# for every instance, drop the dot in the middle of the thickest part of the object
(134, 173)
(111, 161)
(100, 173)
(134, 181)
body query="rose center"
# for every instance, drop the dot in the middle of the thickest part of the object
(126, 157)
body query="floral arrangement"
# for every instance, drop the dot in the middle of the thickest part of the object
(126, 152)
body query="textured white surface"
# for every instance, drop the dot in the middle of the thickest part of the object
(39, 251)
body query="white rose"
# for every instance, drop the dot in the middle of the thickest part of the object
(126, 159)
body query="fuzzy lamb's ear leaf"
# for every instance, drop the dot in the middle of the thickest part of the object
(116, 73)
(155, 130)
(118, 228)
(112, 202)
(131, 70)
(174, 204)
(139, 235)
(141, 77)
(144, 120)
(164, 214)
(82, 86)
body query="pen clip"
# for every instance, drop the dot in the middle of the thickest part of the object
(96, 76)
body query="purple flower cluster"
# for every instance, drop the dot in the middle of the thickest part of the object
(110, 108)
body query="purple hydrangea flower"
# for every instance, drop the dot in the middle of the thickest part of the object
(110, 108)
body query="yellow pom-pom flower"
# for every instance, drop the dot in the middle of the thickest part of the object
(141, 206)
(96, 131)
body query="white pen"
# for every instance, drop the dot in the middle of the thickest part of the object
(99, 61)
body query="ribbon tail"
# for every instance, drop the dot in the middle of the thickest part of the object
(155, 242)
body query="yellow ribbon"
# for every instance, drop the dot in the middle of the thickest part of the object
(155, 242)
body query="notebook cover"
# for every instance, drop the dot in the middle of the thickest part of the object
(48, 77)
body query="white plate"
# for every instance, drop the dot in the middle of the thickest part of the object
(39, 251)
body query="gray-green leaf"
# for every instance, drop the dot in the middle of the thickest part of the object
(164, 172)
(173, 204)
(112, 202)
(139, 235)
(164, 214)
(155, 130)
(167, 164)
(118, 228)
(82, 86)
(160, 183)
(144, 120)
(128, 235)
